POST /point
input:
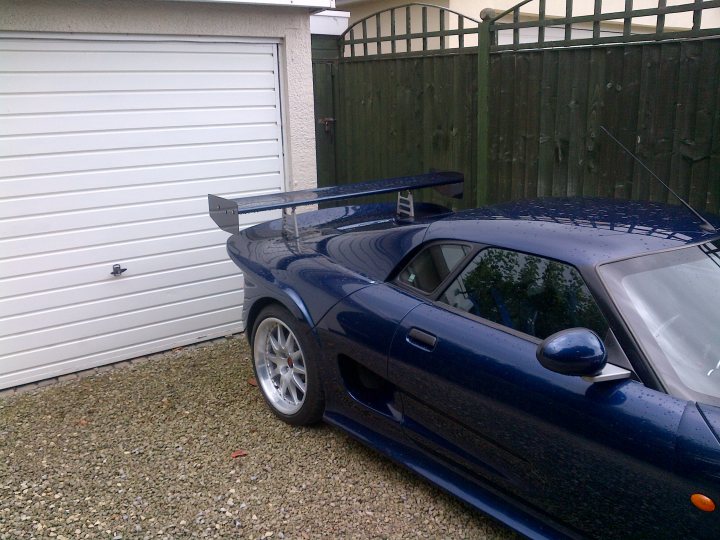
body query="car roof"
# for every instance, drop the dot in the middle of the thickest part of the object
(580, 231)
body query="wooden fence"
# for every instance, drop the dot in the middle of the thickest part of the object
(662, 100)
(407, 99)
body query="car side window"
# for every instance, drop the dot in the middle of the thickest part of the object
(529, 294)
(427, 270)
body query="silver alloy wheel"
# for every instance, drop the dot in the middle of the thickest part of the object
(280, 366)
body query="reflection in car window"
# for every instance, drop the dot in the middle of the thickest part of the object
(526, 293)
(432, 265)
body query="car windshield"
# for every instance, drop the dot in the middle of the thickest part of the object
(671, 301)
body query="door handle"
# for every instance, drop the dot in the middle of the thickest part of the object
(421, 339)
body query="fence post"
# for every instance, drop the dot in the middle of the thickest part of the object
(483, 139)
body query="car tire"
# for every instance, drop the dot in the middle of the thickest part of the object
(285, 361)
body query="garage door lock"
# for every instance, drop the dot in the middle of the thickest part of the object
(117, 270)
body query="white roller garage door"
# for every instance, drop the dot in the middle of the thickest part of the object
(108, 149)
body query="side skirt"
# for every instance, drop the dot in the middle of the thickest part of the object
(497, 506)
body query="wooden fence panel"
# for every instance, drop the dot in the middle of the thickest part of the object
(660, 99)
(402, 115)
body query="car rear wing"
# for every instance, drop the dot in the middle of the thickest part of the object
(225, 212)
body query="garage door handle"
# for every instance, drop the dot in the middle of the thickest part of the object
(117, 270)
(421, 339)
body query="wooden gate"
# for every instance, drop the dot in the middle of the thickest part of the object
(515, 101)
(405, 96)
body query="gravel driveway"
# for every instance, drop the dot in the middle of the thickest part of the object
(147, 451)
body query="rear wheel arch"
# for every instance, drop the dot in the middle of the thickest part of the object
(294, 306)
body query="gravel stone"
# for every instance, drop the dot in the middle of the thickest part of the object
(145, 452)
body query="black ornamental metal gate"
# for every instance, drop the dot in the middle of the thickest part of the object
(515, 101)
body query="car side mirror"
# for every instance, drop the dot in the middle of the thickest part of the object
(575, 351)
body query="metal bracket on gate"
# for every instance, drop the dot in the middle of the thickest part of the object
(326, 123)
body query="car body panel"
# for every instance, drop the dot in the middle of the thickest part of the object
(541, 435)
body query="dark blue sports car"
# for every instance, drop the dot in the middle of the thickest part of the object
(553, 363)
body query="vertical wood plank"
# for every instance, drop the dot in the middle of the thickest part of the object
(373, 110)
(660, 21)
(627, 24)
(482, 177)
(626, 132)
(393, 44)
(519, 114)
(410, 162)
(663, 121)
(442, 28)
(345, 99)
(429, 103)
(699, 149)
(424, 28)
(471, 114)
(341, 123)
(596, 90)
(596, 22)
(378, 34)
(391, 110)
(532, 125)
(680, 167)
(408, 44)
(562, 123)
(365, 44)
(355, 119)
(548, 113)
(568, 14)
(505, 142)
(493, 128)
(697, 15)
(613, 174)
(578, 121)
(644, 147)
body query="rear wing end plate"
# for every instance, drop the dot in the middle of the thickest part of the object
(225, 212)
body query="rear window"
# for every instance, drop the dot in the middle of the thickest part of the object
(429, 268)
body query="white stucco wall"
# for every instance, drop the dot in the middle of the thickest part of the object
(152, 17)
